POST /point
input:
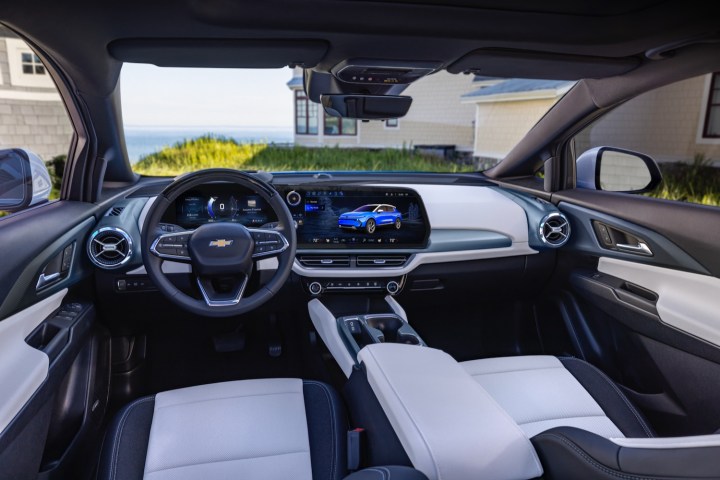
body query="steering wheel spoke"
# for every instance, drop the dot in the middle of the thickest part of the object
(268, 243)
(222, 292)
(173, 246)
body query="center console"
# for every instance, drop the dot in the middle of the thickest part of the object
(349, 323)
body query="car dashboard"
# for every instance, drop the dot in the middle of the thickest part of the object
(352, 236)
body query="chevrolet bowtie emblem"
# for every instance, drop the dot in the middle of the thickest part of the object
(221, 243)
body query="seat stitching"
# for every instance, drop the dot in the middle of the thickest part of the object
(180, 404)
(332, 423)
(593, 463)
(627, 403)
(186, 465)
(496, 372)
(387, 470)
(118, 434)
(378, 470)
(562, 418)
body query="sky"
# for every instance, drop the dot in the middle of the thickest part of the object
(202, 97)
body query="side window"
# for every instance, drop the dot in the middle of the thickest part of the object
(35, 131)
(677, 125)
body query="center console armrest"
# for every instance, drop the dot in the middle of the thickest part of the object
(448, 424)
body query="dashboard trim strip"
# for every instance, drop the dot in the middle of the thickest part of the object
(417, 259)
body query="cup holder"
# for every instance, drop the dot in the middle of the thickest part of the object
(388, 325)
(357, 331)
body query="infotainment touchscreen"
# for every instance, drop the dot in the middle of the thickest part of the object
(358, 217)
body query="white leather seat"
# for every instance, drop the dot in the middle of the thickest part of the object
(583, 426)
(270, 429)
(539, 393)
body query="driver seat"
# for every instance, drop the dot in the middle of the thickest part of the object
(266, 429)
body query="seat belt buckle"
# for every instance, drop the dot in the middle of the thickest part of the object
(355, 448)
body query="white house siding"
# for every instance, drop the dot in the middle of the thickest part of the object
(30, 117)
(436, 117)
(39, 126)
(500, 125)
(666, 124)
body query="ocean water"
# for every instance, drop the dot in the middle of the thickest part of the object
(144, 140)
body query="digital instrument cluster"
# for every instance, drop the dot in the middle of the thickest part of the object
(220, 203)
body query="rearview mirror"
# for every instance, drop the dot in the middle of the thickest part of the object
(366, 107)
(24, 180)
(617, 170)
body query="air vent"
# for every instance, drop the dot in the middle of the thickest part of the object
(115, 211)
(554, 230)
(109, 247)
(325, 261)
(381, 260)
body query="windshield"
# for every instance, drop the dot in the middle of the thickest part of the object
(178, 120)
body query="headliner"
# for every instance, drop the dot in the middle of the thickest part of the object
(79, 34)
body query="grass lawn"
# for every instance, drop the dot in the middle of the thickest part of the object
(210, 152)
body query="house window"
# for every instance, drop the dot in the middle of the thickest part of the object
(712, 115)
(306, 118)
(31, 64)
(340, 126)
(26, 69)
(392, 123)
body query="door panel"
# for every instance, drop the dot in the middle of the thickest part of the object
(22, 367)
(694, 229)
(686, 301)
(650, 321)
(54, 357)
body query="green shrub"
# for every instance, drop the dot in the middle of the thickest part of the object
(698, 182)
(219, 152)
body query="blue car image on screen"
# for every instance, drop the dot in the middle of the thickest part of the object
(369, 217)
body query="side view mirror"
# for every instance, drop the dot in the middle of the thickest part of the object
(366, 107)
(24, 180)
(617, 170)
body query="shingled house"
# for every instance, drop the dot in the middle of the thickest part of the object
(32, 115)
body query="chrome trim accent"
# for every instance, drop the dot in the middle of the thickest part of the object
(287, 198)
(46, 280)
(640, 249)
(554, 230)
(223, 303)
(110, 247)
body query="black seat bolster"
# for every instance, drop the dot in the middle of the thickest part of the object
(327, 430)
(629, 420)
(567, 452)
(126, 442)
(382, 445)
(387, 473)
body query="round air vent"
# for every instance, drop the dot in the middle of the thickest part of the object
(109, 247)
(554, 230)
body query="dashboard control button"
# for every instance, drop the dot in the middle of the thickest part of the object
(392, 287)
(315, 288)
(293, 198)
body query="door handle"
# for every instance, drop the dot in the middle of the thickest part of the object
(640, 249)
(45, 280)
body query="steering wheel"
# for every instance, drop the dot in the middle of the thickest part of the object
(222, 255)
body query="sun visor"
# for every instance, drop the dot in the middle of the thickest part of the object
(219, 53)
(541, 65)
